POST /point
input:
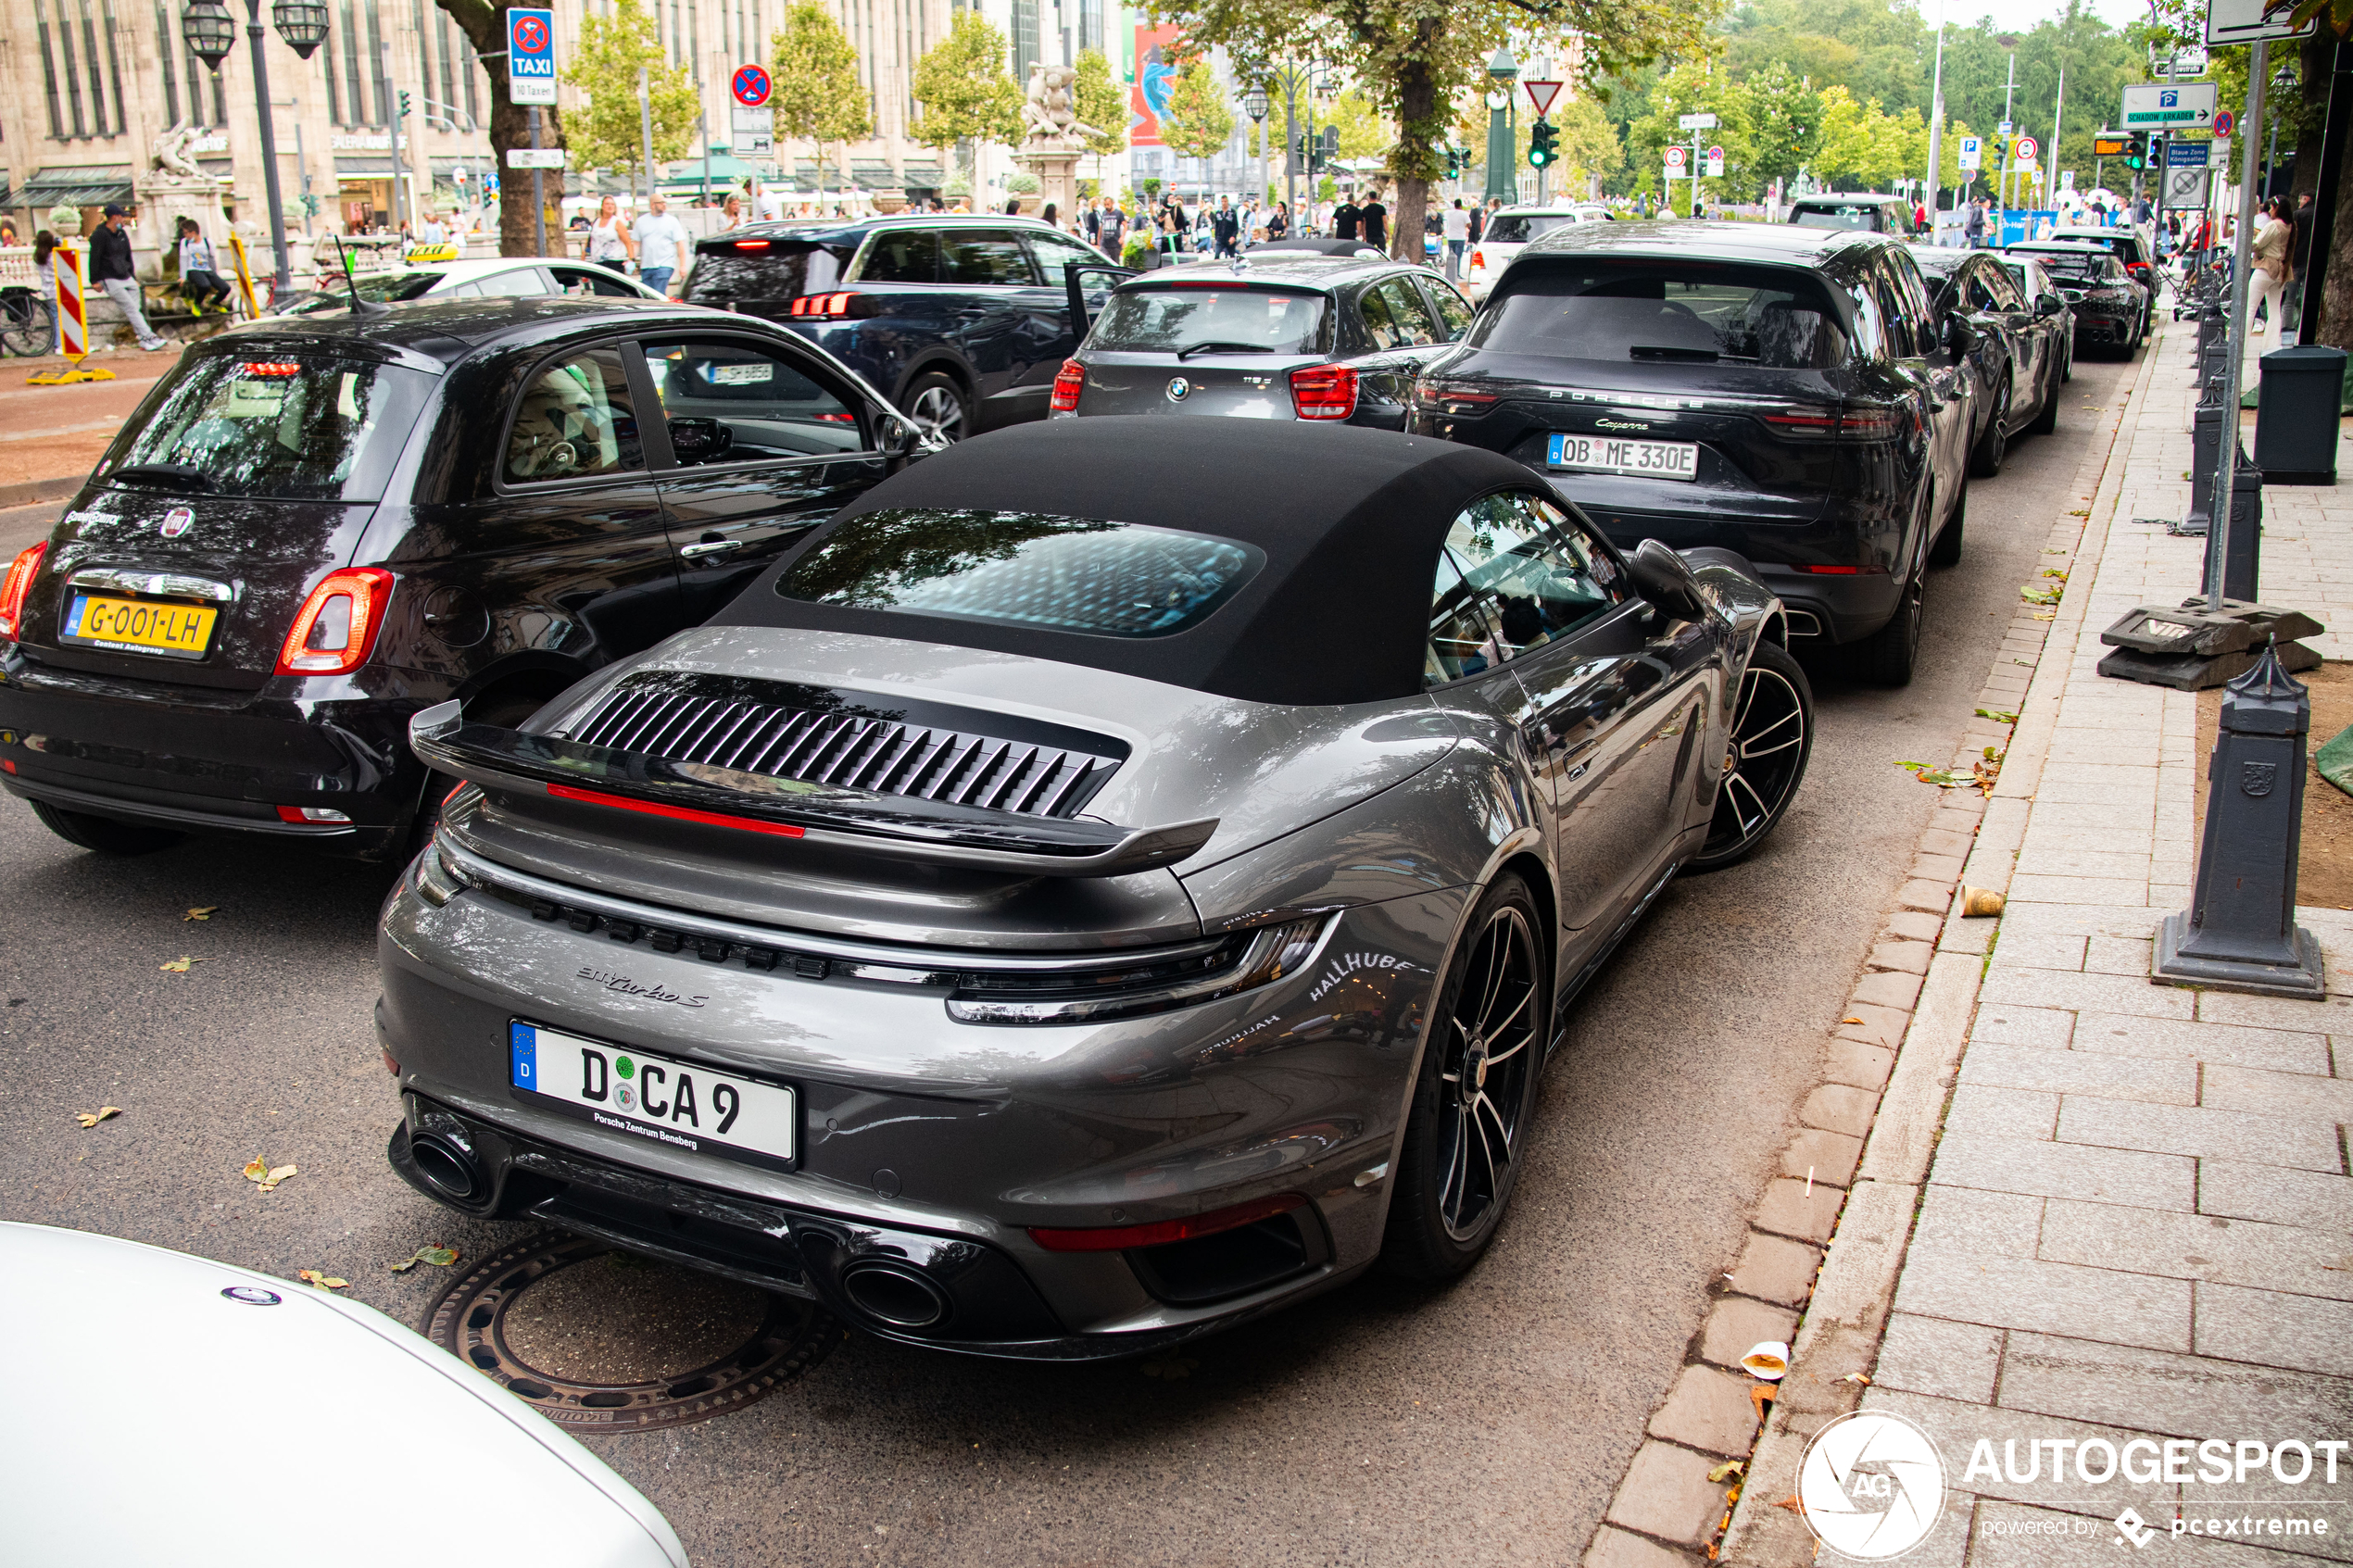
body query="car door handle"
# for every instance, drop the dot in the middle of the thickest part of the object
(711, 547)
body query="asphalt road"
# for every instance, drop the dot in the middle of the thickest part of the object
(1486, 1424)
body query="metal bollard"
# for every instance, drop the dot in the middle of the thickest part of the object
(2244, 568)
(2239, 932)
(2206, 446)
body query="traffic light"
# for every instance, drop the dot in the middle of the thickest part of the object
(1327, 146)
(404, 104)
(1544, 144)
(2138, 157)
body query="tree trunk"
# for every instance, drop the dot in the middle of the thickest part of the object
(485, 25)
(1420, 123)
(2334, 270)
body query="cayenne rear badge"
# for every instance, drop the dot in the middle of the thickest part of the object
(176, 522)
(1178, 387)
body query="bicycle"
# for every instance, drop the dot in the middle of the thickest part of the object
(27, 324)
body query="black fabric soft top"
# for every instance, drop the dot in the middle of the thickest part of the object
(1350, 519)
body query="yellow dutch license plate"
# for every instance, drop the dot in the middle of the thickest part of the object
(140, 626)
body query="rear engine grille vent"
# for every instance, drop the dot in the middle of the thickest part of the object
(846, 748)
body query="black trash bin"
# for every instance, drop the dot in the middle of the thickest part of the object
(2296, 411)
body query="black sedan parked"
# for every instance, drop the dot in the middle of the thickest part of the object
(1294, 336)
(314, 527)
(2111, 310)
(2022, 347)
(2029, 275)
(1789, 393)
(961, 321)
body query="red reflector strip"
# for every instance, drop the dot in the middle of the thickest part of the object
(1119, 1238)
(679, 813)
(1841, 571)
(270, 368)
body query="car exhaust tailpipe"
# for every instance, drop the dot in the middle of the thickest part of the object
(453, 1171)
(895, 1294)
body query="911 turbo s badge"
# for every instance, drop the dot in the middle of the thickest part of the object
(628, 987)
(1178, 389)
(176, 522)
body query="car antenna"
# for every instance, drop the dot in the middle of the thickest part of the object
(359, 307)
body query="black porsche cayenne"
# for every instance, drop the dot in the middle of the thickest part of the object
(314, 527)
(1788, 394)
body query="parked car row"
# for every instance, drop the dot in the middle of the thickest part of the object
(702, 679)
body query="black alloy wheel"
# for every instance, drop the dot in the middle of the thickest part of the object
(937, 405)
(1476, 1094)
(1946, 551)
(1772, 737)
(2047, 417)
(1994, 444)
(104, 835)
(1886, 657)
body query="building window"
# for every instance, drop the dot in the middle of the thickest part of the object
(97, 73)
(355, 95)
(163, 56)
(1024, 41)
(113, 67)
(197, 72)
(383, 115)
(466, 73)
(72, 71)
(49, 72)
(448, 63)
(1090, 24)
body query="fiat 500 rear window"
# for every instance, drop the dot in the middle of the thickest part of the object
(1223, 320)
(1025, 568)
(294, 427)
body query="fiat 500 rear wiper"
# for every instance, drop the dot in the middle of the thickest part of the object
(180, 476)
(1212, 345)
(1658, 351)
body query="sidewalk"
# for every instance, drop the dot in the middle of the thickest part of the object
(2136, 1220)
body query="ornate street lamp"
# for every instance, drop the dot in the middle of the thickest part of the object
(1255, 104)
(1502, 146)
(211, 32)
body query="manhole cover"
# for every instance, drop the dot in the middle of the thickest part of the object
(603, 1340)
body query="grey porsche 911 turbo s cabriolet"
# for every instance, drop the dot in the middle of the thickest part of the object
(1103, 885)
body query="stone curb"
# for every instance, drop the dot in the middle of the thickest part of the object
(34, 491)
(1890, 1071)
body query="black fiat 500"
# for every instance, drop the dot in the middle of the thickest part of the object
(313, 528)
(1294, 336)
(1788, 394)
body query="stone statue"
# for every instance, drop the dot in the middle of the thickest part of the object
(1050, 108)
(170, 156)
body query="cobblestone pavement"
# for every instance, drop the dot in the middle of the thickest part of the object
(2136, 1220)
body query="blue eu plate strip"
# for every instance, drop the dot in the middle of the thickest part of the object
(1553, 455)
(523, 1055)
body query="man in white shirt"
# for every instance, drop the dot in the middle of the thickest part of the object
(767, 205)
(431, 231)
(1454, 226)
(661, 245)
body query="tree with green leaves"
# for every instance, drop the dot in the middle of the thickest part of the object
(1862, 142)
(606, 134)
(1413, 58)
(1099, 99)
(1200, 121)
(963, 91)
(814, 85)
(484, 24)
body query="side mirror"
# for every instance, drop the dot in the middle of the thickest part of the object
(1666, 580)
(2048, 304)
(1960, 336)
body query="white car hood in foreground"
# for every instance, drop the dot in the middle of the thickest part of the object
(159, 1421)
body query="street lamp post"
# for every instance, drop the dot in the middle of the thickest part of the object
(1936, 125)
(211, 34)
(1255, 104)
(1290, 78)
(1503, 148)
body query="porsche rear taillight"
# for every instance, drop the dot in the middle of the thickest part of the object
(1803, 422)
(335, 630)
(1324, 392)
(1069, 382)
(12, 591)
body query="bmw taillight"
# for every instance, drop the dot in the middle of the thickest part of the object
(1324, 392)
(1069, 382)
(336, 628)
(12, 591)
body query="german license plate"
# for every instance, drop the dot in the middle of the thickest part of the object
(680, 1105)
(139, 626)
(1644, 459)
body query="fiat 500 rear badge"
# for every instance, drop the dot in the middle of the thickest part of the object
(1177, 389)
(176, 522)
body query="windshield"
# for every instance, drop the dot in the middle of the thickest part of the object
(1025, 568)
(1169, 320)
(2079, 267)
(1841, 215)
(377, 288)
(1518, 228)
(1665, 309)
(303, 427)
(757, 268)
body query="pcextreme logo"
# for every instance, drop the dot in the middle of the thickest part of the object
(1870, 1486)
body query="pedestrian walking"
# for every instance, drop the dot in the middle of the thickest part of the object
(1225, 229)
(200, 280)
(1454, 229)
(2268, 265)
(112, 270)
(1376, 221)
(661, 243)
(609, 242)
(1973, 225)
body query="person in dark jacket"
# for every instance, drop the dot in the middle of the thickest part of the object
(112, 270)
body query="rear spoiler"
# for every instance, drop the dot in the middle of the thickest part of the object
(902, 826)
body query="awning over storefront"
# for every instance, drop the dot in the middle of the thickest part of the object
(85, 185)
(367, 167)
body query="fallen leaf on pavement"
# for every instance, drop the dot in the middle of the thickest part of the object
(203, 912)
(2046, 615)
(323, 1281)
(1727, 1469)
(1850, 1018)
(1760, 1395)
(1791, 1504)
(439, 1257)
(263, 1174)
(1999, 715)
(90, 1120)
(1928, 773)
(2086, 512)
(2055, 572)
(179, 965)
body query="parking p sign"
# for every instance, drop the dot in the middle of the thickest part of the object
(531, 56)
(1972, 153)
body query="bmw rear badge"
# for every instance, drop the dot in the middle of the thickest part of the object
(1177, 388)
(176, 522)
